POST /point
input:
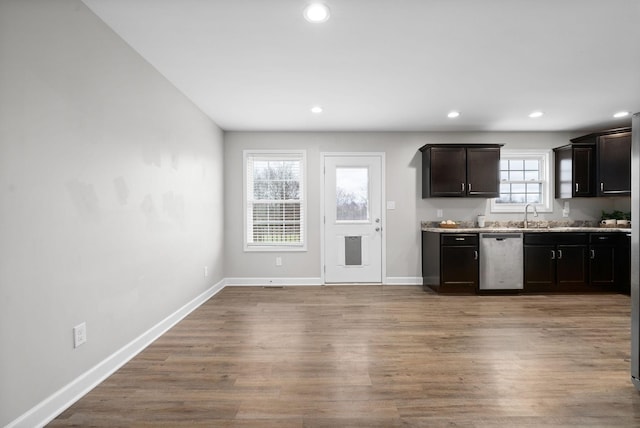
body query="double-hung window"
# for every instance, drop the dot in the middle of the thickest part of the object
(274, 195)
(524, 179)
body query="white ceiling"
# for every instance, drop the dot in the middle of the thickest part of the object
(393, 65)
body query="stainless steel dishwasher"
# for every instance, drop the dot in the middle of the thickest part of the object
(501, 261)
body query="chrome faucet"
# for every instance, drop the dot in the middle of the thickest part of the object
(526, 212)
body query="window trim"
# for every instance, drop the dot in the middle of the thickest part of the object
(276, 154)
(544, 155)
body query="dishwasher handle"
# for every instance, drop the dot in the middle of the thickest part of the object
(501, 236)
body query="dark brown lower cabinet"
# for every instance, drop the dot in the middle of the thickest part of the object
(450, 262)
(609, 261)
(539, 267)
(572, 267)
(602, 265)
(555, 262)
(459, 267)
(623, 264)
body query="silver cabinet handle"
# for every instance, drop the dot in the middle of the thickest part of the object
(462, 186)
(593, 254)
(577, 187)
(553, 254)
(469, 187)
(475, 255)
(602, 187)
(459, 239)
(559, 254)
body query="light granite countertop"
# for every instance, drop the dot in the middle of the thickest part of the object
(522, 230)
(514, 226)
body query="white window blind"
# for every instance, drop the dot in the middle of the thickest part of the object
(275, 203)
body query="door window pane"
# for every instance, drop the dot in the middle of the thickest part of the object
(352, 194)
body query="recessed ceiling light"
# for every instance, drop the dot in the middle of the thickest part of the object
(316, 12)
(316, 109)
(621, 114)
(536, 114)
(453, 114)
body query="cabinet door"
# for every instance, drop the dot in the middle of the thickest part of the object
(483, 172)
(448, 171)
(623, 265)
(602, 265)
(583, 171)
(571, 266)
(564, 171)
(614, 164)
(539, 267)
(459, 266)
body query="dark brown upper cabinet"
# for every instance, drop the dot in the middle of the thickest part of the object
(597, 164)
(575, 170)
(454, 170)
(614, 164)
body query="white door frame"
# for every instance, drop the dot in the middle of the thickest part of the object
(383, 208)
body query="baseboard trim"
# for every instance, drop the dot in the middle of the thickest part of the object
(45, 411)
(404, 280)
(252, 282)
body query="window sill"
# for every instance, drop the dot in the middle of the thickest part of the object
(271, 249)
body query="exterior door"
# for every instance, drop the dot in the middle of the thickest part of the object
(353, 218)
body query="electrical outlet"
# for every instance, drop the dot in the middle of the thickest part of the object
(79, 334)
(439, 213)
(278, 261)
(206, 271)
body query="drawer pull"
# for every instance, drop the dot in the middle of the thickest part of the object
(459, 239)
(603, 237)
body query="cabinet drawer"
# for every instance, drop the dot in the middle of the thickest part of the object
(551, 238)
(459, 239)
(607, 238)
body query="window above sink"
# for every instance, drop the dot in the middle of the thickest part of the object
(524, 179)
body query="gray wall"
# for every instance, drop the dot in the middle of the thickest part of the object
(403, 185)
(110, 197)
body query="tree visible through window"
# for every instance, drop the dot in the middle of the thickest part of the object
(274, 199)
(352, 194)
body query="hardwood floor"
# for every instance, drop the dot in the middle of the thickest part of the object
(378, 356)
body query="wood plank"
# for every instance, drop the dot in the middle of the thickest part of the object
(378, 356)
